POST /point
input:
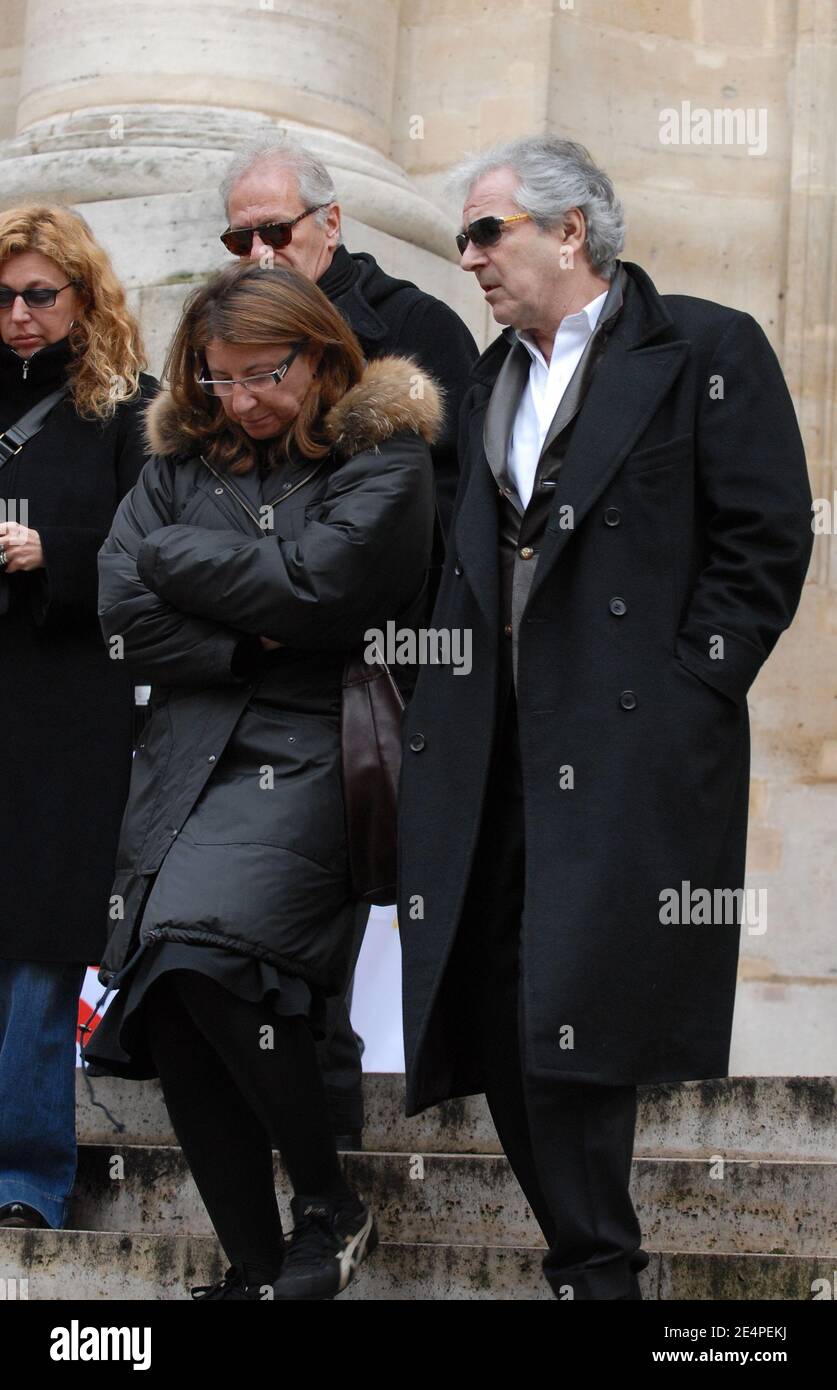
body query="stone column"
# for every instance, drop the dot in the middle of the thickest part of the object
(11, 49)
(132, 115)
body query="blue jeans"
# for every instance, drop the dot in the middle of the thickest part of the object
(38, 1017)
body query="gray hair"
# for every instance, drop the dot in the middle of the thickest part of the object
(273, 146)
(555, 175)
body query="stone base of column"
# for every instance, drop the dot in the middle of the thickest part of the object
(146, 179)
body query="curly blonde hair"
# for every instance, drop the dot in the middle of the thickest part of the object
(106, 342)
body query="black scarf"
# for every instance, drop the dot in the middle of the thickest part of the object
(340, 276)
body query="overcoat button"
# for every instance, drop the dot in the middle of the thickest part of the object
(211, 758)
(527, 552)
(612, 516)
(218, 491)
(174, 834)
(627, 699)
(457, 569)
(417, 743)
(618, 606)
(508, 629)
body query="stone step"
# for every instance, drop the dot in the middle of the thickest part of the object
(93, 1265)
(756, 1206)
(780, 1117)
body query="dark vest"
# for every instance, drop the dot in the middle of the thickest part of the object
(521, 529)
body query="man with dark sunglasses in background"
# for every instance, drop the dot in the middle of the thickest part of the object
(282, 209)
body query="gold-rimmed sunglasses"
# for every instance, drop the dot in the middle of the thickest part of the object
(486, 231)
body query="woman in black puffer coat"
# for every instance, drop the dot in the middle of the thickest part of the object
(287, 510)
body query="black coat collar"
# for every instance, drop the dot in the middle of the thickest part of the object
(644, 317)
(369, 288)
(45, 368)
(632, 378)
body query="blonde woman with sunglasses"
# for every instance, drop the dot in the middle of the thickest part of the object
(72, 394)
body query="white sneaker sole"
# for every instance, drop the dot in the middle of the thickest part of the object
(352, 1256)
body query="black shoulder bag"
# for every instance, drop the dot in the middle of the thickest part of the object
(370, 736)
(13, 439)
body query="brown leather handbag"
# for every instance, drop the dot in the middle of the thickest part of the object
(370, 735)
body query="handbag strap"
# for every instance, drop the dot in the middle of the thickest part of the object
(13, 439)
(358, 671)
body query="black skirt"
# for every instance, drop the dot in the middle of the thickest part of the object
(119, 1047)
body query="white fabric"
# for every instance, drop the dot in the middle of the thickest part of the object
(376, 999)
(544, 391)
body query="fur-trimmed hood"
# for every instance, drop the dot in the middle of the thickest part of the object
(393, 394)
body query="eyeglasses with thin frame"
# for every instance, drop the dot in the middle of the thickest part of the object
(239, 240)
(486, 231)
(33, 299)
(262, 381)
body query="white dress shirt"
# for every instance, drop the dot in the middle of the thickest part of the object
(544, 390)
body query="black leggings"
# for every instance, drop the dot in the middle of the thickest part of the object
(232, 1100)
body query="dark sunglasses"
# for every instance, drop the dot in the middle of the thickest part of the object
(33, 299)
(486, 231)
(239, 240)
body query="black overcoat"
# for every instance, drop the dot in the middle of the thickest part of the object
(234, 833)
(691, 504)
(65, 707)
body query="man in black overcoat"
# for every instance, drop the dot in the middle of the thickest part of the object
(276, 180)
(631, 535)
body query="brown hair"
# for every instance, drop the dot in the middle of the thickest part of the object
(108, 352)
(257, 304)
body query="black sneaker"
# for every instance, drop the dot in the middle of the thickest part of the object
(328, 1243)
(19, 1214)
(231, 1286)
